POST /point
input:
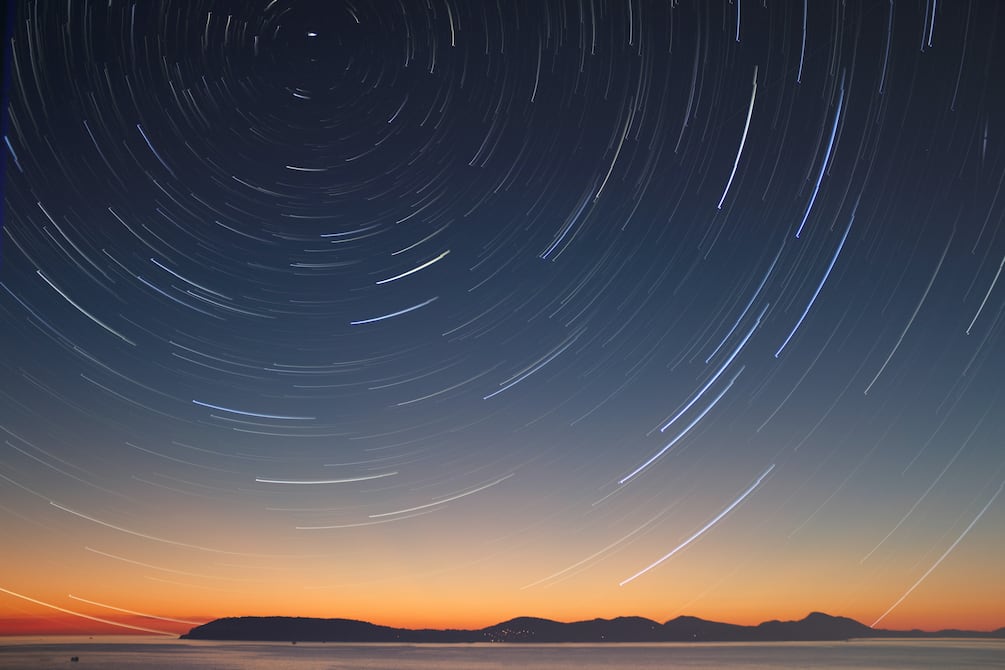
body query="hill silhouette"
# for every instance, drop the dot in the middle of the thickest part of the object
(816, 626)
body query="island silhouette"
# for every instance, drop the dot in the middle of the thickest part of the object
(816, 626)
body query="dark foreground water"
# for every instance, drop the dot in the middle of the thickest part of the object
(166, 654)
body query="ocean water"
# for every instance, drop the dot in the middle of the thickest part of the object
(132, 653)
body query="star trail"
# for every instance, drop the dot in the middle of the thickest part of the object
(438, 312)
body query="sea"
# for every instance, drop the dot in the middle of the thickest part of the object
(141, 653)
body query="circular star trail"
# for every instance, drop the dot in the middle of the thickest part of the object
(439, 312)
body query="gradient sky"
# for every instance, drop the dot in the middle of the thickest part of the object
(438, 313)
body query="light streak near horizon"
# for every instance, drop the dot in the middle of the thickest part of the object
(127, 611)
(700, 532)
(940, 558)
(594, 555)
(109, 622)
(163, 568)
(154, 538)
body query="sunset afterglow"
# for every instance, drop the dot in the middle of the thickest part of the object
(438, 313)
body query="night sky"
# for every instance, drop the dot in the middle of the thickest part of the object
(438, 312)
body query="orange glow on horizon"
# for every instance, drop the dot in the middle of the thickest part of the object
(65, 624)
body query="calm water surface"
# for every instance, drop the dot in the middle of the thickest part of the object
(119, 653)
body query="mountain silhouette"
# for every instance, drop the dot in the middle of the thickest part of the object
(816, 626)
